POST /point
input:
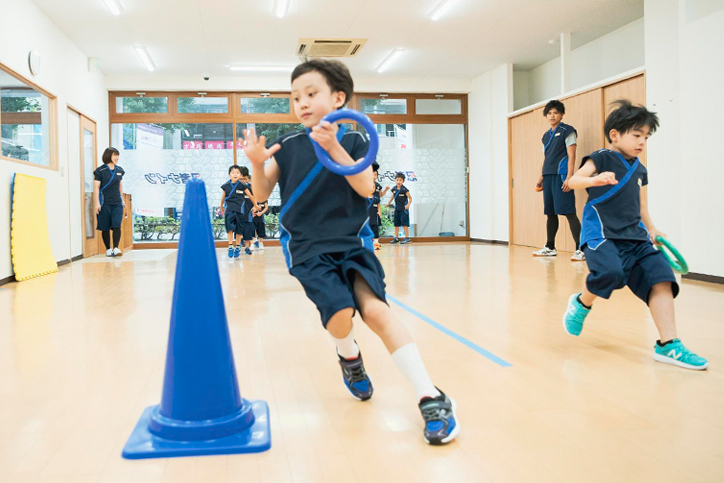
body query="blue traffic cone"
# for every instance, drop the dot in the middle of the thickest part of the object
(201, 411)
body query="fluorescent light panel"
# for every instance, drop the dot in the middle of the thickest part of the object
(114, 6)
(262, 68)
(389, 60)
(281, 7)
(439, 10)
(145, 57)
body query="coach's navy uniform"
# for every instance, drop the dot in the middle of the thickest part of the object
(402, 216)
(111, 214)
(233, 202)
(325, 233)
(247, 214)
(618, 249)
(555, 170)
(259, 226)
(373, 209)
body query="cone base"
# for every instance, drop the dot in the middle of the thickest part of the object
(257, 438)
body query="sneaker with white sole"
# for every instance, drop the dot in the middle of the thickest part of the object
(578, 256)
(441, 421)
(117, 252)
(109, 252)
(676, 353)
(545, 252)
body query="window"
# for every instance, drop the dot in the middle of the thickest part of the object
(27, 126)
(383, 105)
(439, 106)
(141, 105)
(264, 105)
(203, 105)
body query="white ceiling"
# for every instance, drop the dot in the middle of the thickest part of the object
(190, 37)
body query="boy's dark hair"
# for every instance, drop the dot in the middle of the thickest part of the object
(235, 167)
(554, 104)
(627, 117)
(244, 170)
(375, 167)
(400, 175)
(334, 72)
(108, 153)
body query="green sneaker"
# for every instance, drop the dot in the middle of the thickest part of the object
(677, 354)
(575, 315)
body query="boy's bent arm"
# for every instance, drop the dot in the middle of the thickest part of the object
(582, 178)
(646, 217)
(409, 201)
(264, 178)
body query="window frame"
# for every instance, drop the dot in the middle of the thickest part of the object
(52, 119)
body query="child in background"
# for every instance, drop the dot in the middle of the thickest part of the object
(403, 199)
(232, 201)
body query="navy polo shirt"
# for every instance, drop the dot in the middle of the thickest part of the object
(555, 149)
(375, 200)
(234, 195)
(110, 192)
(400, 197)
(618, 217)
(320, 212)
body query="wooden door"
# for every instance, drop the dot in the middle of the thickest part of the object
(88, 164)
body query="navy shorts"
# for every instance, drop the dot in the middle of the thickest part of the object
(555, 201)
(260, 228)
(247, 230)
(402, 218)
(328, 279)
(111, 216)
(234, 221)
(633, 263)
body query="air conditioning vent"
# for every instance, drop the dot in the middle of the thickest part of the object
(330, 47)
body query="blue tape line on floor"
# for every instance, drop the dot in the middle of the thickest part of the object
(452, 334)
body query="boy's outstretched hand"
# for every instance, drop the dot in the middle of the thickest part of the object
(604, 178)
(255, 148)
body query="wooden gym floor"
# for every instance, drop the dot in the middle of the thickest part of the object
(82, 353)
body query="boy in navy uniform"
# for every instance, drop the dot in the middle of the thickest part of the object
(375, 210)
(247, 211)
(618, 231)
(107, 189)
(232, 201)
(559, 159)
(403, 199)
(328, 246)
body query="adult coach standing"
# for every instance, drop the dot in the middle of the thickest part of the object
(559, 160)
(107, 189)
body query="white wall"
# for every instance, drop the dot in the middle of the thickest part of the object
(684, 85)
(614, 53)
(65, 75)
(489, 102)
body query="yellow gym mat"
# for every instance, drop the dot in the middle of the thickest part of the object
(29, 239)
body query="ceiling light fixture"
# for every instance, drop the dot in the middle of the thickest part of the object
(145, 57)
(439, 10)
(114, 6)
(281, 7)
(261, 68)
(389, 60)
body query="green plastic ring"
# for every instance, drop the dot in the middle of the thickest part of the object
(679, 264)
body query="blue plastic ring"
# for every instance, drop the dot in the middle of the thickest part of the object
(344, 170)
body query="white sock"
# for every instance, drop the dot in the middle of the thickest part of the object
(347, 347)
(409, 361)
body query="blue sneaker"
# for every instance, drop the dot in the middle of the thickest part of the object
(237, 252)
(574, 316)
(677, 354)
(394, 240)
(355, 378)
(231, 252)
(256, 245)
(441, 421)
(247, 250)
